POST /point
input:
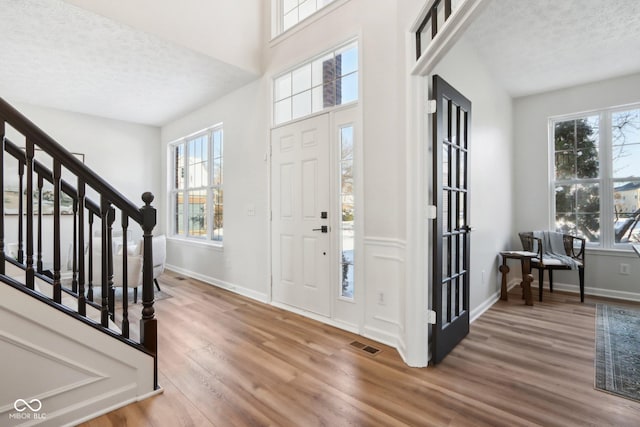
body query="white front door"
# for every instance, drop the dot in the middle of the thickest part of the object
(300, 186)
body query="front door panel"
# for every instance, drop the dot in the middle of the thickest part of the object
(300, 193)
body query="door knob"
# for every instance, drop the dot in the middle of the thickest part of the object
(322, 229)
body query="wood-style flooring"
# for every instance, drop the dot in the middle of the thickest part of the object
(225, 360)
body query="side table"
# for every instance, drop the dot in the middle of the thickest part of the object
(527, 278)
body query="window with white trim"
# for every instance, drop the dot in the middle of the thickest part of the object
(291, 12)
(196, 187)
(596, 180)
(324, 82)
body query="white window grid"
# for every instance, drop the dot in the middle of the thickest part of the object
(606, 181)
(193, 179)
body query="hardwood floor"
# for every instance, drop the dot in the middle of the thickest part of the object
(225, 360)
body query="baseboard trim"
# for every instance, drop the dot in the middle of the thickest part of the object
(317, 317)
(381, 336)
(482, 308)
(250, 293)
(112, 408)
(597, 292)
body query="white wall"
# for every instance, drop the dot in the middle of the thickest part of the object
(126, 155)
(531, 185)
(242, 262)
(491, 168)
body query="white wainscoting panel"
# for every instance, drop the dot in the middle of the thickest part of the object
(384, 279)
(65, 370)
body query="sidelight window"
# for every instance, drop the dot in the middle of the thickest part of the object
(347, 208)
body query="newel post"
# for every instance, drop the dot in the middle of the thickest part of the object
(148, 325)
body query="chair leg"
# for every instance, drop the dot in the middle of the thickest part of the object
(581, 275)
(550, 280)
(135, 295)
(157, 285)
(540, 278)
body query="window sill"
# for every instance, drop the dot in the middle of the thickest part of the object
(201, 244)
(617, 252)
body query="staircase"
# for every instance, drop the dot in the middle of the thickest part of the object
(65, 357)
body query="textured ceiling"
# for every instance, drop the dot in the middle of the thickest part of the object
(534, 46)
(57, 55)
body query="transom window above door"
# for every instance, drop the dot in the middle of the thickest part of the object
(326, 81)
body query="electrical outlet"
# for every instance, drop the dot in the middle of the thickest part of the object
(482, 279)
(624, 269)
(381, 298)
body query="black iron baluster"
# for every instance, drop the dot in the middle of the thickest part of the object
(2, 254)
(90, 258)
(30, 276)
(74, 267)
(57, 286)
(40, 185)
(79, 255)
(125, 274)
(112, 293)
(20, 212)
(104, 275)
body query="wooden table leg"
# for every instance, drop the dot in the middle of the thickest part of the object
(504, 269)
(527, 278)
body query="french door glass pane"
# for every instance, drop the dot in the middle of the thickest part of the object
(445, 303)
(446, 257)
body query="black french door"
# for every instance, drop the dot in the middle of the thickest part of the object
(451, 249)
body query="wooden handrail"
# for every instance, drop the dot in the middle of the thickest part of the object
(47, 144)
